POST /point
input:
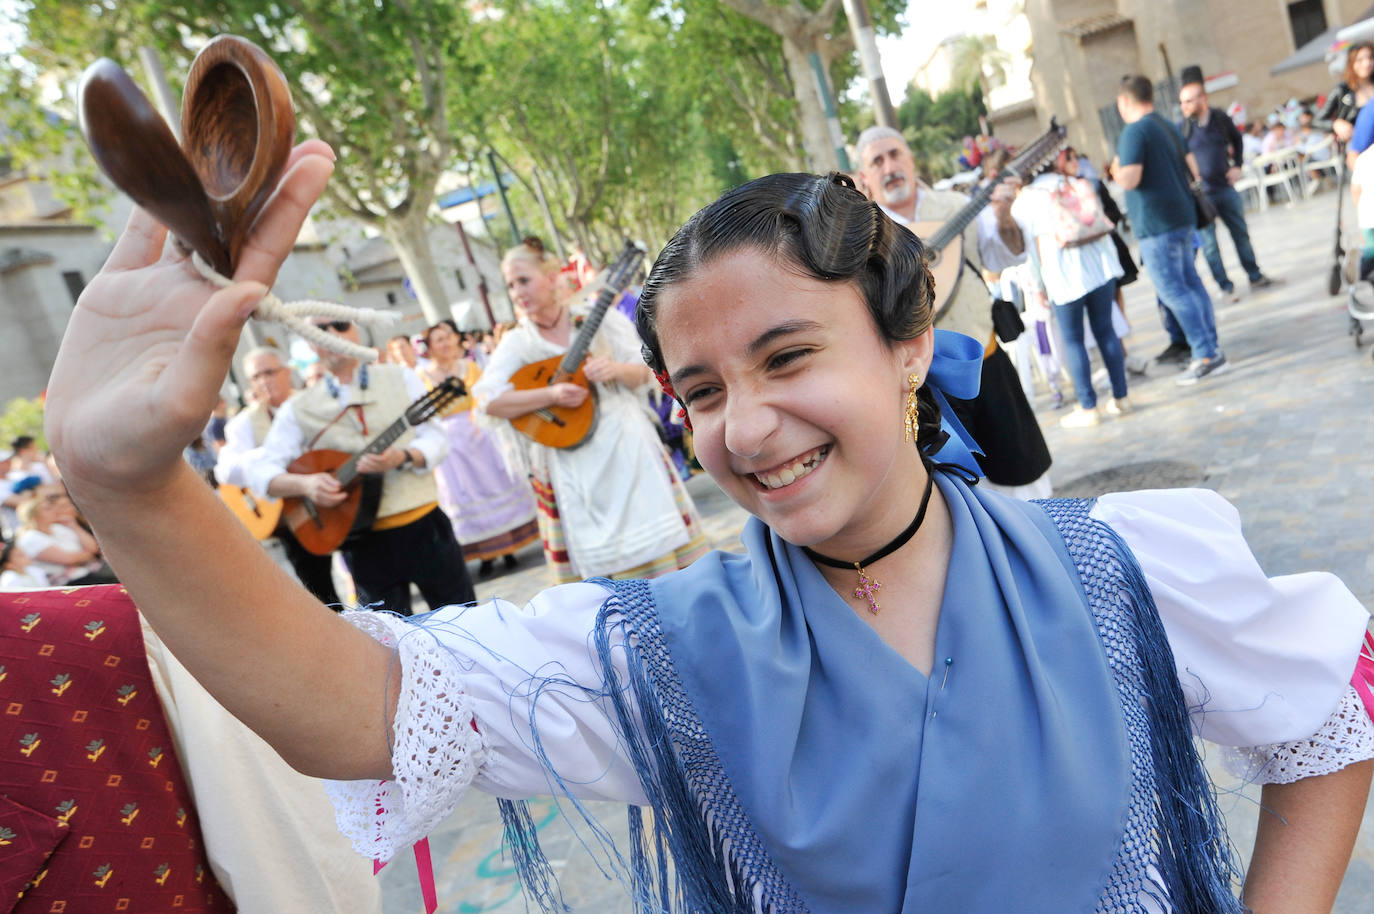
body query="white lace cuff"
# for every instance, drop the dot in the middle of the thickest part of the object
(436, 748)
(1345, 738)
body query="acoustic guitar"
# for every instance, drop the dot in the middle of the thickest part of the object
(322, 530)
(944, 242)
(569, 426)
(259, 515)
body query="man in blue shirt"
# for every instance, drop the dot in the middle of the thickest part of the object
(1216, 145)
(1155, 169)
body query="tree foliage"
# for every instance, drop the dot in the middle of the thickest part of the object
(634, 112)
(934, 128)
(22, 416)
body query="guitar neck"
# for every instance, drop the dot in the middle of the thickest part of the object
(1022, 167)
(617, 278)
(578, 350)
(955, 225)
(349, 471)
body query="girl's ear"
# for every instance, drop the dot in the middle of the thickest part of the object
(917, 353)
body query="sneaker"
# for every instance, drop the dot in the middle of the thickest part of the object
(1264, 282)
(1137, 365)
(1203, 368)
(1118, 407)
(1176, 352)
(1231, 296)
(1057, 399)
(1080, 418)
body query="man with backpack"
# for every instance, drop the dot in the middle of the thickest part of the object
(1217, 146)
(1154, 168)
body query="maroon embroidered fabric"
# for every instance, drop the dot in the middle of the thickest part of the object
(96, 803)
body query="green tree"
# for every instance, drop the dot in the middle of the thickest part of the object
(978, 63)
(22, 416)
(817, 27)
(934, 128)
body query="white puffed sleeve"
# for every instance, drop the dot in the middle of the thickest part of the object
(478, 683)
(1264, 662)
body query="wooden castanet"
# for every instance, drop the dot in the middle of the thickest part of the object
(259, 515)
(319, 529)
(555, 426)
(237, 126)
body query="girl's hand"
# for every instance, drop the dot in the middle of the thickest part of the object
(150, 342)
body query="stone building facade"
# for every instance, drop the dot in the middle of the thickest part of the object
(1082, 48)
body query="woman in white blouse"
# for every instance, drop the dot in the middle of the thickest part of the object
(1075, 269)
(779, 709)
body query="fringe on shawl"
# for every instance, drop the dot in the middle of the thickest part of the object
(702, 874)
(1196, 857)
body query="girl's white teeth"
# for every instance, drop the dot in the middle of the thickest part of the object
(791, 472)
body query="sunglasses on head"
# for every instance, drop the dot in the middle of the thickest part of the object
(339, 326)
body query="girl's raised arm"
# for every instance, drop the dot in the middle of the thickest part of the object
(138, 372)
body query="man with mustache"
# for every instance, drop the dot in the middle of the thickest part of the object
(1015, 457)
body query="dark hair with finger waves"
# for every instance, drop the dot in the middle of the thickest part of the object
(823, 227)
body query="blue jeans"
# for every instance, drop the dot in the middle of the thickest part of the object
(1230, 210)
(1098, 306)
(1169, 261)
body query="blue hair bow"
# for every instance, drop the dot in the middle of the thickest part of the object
(956, 371)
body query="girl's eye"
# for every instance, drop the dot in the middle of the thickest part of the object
(783, 359)
(697, 393)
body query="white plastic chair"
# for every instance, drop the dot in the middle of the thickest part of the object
(1281, 168)
(1249, 181)
(1315, 166)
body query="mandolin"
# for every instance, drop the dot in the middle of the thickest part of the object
(569, 426)
(321, 530)
(944, 242)
(259, 515)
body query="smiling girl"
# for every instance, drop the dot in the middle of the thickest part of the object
(906, 695)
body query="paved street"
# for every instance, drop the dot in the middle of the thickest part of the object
(1284, 436)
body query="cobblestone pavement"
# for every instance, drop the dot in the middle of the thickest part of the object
(1284, 436)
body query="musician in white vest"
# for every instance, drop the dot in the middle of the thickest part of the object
(270, 380)
(1015, 458)
(411, 541)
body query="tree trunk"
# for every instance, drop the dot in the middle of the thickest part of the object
(815, 132)
(408, 236)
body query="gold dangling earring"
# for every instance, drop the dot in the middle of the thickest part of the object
(912, 429)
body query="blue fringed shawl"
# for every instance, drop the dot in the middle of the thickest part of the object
(794, 762)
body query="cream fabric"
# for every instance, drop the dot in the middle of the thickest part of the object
(269, 830)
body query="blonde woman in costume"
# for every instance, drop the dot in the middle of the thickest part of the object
(612, 506)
